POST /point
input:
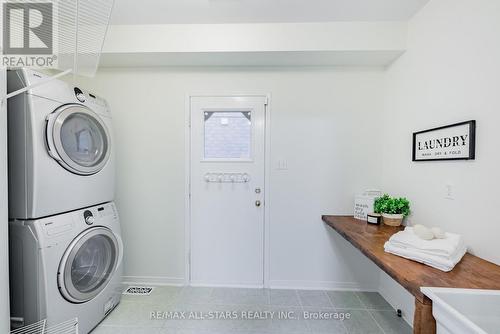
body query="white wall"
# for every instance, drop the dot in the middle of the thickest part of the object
(4, 232)
(264, 44)
(263, 37)
(321, 122)
(450, 73)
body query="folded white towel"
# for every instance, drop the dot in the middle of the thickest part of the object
(446, 247)
(437, 262)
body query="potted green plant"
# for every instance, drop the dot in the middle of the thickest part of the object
(393, 209)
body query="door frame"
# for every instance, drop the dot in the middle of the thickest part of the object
(187, 188)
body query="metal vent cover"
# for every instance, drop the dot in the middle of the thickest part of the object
(138, 290)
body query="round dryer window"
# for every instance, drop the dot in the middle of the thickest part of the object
(80, 139)
(88, 264)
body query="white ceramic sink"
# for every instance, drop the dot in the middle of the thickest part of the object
(465, 311)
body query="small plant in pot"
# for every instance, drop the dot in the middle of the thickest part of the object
(393, 209)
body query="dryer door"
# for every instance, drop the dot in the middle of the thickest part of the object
(88, 264)
(78, 139)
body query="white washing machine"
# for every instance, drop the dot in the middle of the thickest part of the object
(60, 148)
(66, 266)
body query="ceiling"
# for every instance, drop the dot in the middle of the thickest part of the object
(260, 11)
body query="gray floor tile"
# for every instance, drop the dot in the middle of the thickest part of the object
(368, 312)
(206, 331)
(222, 318)
(165, 295)
(256, 318)
(242, 291)
(167, 331)
(195, 295)
(261, 326)
(345, 299)
(325, 320)
(391, 323)
(127, 330)
(289, 320)
(373, 301)
(284, 298)
(133, 314)
(314, 298)
(361, 322)
(231, 296)
(191, 331)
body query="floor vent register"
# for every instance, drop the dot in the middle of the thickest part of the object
(138, 290)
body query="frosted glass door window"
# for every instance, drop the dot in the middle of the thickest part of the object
(228, 134)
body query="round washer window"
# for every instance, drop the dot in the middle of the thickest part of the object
(83, 139)
(88, 264)
(92, 264)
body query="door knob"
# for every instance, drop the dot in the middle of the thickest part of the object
(257, 203)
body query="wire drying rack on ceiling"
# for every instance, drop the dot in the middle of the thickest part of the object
(78, 29)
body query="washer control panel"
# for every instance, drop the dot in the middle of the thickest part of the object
(57, 229)
(98, 215)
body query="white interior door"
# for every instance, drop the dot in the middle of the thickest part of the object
(227, 190)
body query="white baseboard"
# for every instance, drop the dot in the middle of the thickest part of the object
(274, 284)
(226, 285)
(153, 280)
(321, 285)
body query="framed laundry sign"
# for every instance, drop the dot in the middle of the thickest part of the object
(450, 142)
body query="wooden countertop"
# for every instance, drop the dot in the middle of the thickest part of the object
(471, 273)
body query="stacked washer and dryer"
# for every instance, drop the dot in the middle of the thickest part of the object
(65, 241)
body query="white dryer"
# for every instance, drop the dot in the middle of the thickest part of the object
(60, 148)
(66, 266)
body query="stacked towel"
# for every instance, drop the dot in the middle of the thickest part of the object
(442, 254)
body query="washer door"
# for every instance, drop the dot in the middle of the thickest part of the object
(78, 139)
(88, 264)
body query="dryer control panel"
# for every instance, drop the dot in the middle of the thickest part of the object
(88, 98)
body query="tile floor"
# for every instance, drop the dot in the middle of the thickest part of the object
(274, 312)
